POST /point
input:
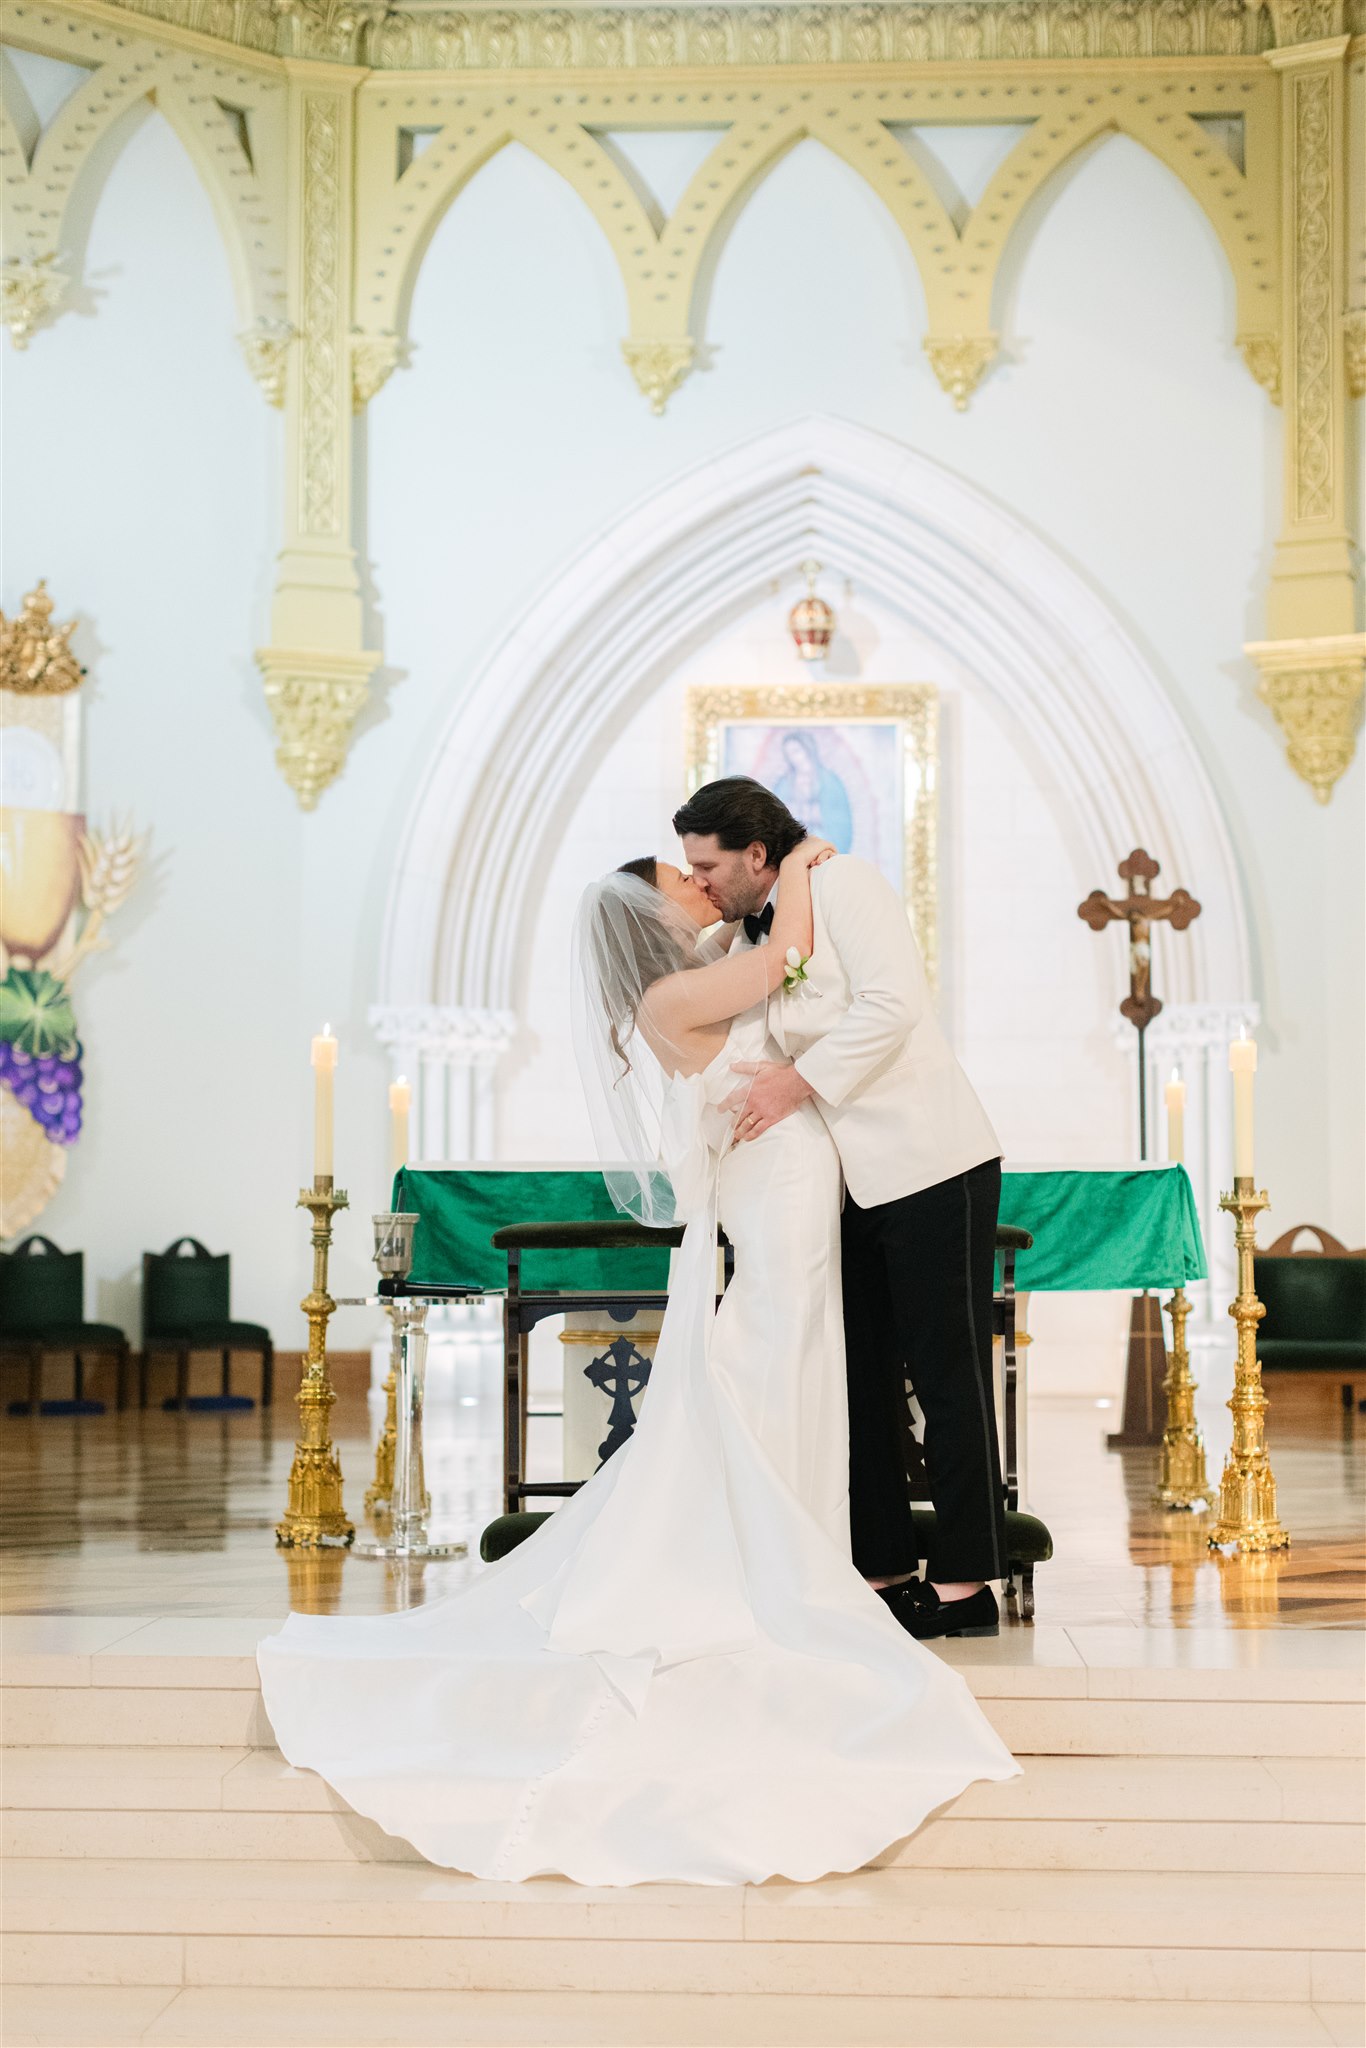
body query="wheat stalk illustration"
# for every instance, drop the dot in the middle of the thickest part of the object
(109, 865)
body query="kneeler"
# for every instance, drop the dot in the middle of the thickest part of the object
(1028, 1542)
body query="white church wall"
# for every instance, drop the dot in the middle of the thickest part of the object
(1121, 425)
(139, 474)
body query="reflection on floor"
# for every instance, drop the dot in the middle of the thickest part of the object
(1178, 1863)
(154, 1513)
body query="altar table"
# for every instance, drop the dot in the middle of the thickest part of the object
(1094, 1227)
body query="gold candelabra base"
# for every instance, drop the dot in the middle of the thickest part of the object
(1246, 1518)
(314, 1516)
(1182, 1483)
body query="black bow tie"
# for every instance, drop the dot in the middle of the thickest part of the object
(758, 927)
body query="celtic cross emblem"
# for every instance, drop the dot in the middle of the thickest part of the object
(622, 1372)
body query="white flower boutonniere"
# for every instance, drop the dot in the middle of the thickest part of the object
(796, 977)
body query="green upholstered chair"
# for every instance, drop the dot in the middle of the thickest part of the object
(1315, 1303)
(185, 1308)
(42, 1310)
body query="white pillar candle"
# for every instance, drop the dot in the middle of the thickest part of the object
(1242, 1064)
(400, 1103)
(1175, 1093)
(324, 1061)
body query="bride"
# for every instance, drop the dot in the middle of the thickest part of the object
(680, 1675)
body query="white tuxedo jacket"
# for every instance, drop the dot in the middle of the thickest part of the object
(863, 1032)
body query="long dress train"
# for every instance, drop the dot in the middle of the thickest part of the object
(680, 1675)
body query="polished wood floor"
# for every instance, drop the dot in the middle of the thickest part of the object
(158, 1514)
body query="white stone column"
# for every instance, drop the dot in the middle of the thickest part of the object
(451, 1055)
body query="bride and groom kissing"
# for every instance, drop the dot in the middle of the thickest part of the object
(708, 1664)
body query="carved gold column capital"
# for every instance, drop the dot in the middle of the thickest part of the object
(1314, 689)
(265, 348)
(31, 289)
(1262, 354)
(374, 358)
(314, 700)
(659, 367)
(959, 360)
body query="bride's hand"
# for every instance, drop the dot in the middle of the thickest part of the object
(811, 853)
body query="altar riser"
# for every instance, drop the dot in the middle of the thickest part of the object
(951, 1844)
(854, 1969)
(92, 1715)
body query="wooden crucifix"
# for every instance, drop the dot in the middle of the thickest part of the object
(1140, 910)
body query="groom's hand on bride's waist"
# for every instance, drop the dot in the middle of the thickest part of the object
(768, 1095)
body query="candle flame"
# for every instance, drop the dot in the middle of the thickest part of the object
(327, 1030)
(1176, 1073)
(403, 1080)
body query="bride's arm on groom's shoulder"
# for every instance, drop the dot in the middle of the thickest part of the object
(866, 923)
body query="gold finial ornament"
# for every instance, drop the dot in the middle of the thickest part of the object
(315, 699)
(659, 367)
(1315, 690)
(959, 361)
(315, 1515)
(1246, 1518)
(30, 292)
(35, 656)
(1182, 1482)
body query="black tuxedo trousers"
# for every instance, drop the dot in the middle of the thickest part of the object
(918, 1281)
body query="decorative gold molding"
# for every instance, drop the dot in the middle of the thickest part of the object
(1262, 354)
(658, 367)
(1314, 689)
(1310, 139)
(30, 292)
(314, 701)
(958, 362)
(1354, 342)
(319, 510)
(486, 36)
(266, 349)
(914, 705)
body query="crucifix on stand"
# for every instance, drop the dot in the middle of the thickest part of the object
(1140, 910)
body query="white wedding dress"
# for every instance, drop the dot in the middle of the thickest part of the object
(680, 1675)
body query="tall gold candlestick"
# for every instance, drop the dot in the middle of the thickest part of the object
(315, 1515)
(1247, 1493)
(1181, 1482)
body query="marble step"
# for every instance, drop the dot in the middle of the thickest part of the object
(234, 1717)
(215, 2015)
(983, 1933)
(1180, 1666)
(1065, 1814)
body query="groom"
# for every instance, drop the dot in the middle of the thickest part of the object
(922, 1169)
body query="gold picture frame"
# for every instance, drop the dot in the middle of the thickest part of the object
(892, 816)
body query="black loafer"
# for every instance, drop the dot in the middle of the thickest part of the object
(925, 1616)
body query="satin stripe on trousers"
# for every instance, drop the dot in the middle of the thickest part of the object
(918, 1281)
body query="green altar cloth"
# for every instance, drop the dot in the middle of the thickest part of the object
(1125, 1228)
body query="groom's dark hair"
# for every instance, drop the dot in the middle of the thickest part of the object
(738, 811)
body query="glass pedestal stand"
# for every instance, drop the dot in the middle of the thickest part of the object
(407, 1536)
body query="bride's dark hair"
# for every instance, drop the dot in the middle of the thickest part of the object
(645, 869)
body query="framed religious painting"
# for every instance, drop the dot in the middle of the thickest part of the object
(859, 766)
